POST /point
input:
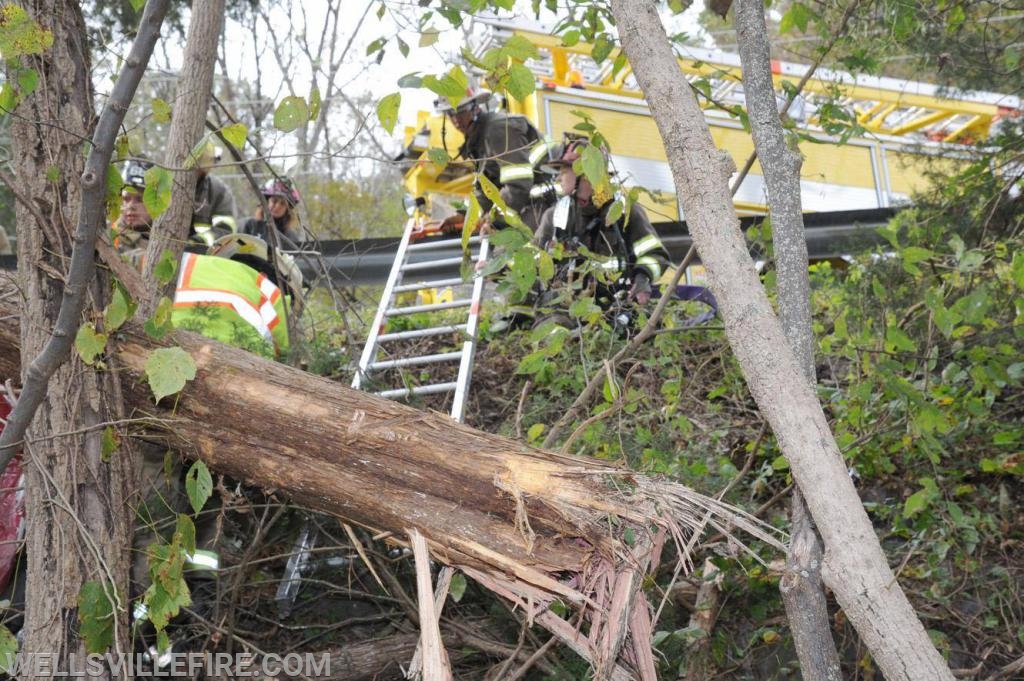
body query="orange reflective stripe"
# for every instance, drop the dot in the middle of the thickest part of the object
(186, 271)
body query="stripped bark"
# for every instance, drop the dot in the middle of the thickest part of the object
(855, 567)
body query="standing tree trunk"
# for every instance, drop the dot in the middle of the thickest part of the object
(802, 591)
(195, 84)
(76, 493)
(854, 565)
(77, 527)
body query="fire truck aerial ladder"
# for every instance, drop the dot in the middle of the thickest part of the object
(901, 125)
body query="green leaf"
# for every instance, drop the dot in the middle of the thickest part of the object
(971, 260)
(469, 223)
(403, 46)
(291, 114)
(137, 5)
(387, 110)
(545, 266)
(90, 343)
(522, 271)
(429, 37)
(780, 463)
(8, 98)
(185, 533)
(570, 38)
(376, 46)
(96, 617)
(584, 308)
(521, 83)
(458, 587)
(796, 17)
(534, 432)
(593, 167)
(973, 307)
(913, 255)
(161, 111)
(8, 647)
(198, 485)
(518, 47)
(235, 134)
(439, 157)
(603, 47)
(1011, 58)
(168, 369)
(159, 325)
(165, 268)
(1017, 270)
(163, 605)
(315, 103)
(28, 79)
(20, 34)
(532, 363)
(629, 536)
(897, 340)
(615, 211)
(492, 192)
(610, 390)
(916, 502)
(120, 309)
(412, 80)
(111, 439)
(157, 195)
(114, 184)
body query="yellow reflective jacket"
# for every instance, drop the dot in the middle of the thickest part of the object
(230, 302)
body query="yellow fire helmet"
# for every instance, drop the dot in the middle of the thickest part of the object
(254, 251)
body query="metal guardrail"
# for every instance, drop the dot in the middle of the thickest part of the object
(367, 262)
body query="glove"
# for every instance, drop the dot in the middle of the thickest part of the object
(453, 223)
(640, 291)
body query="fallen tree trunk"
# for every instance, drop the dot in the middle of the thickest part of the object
(531, 525)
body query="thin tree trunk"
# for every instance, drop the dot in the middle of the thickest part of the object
(855, 567)
(802, 590)
(195, 84)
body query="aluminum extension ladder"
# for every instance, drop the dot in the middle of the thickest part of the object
(388, 308)
(368, 363)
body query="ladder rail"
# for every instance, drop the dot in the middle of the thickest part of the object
(394, 277)
(469, 345)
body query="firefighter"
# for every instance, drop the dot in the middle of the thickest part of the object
(624, 258)
(213, 213)
(131, 230)
(507, 150)
(282, 198)
(236, 294)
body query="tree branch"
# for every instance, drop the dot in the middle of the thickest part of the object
(91, 214)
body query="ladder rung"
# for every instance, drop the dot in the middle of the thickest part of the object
(421, 333)
(414, 309)
(418, 390)
(441, 243)
(439, 283)
(416, 361)
(431, 264)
